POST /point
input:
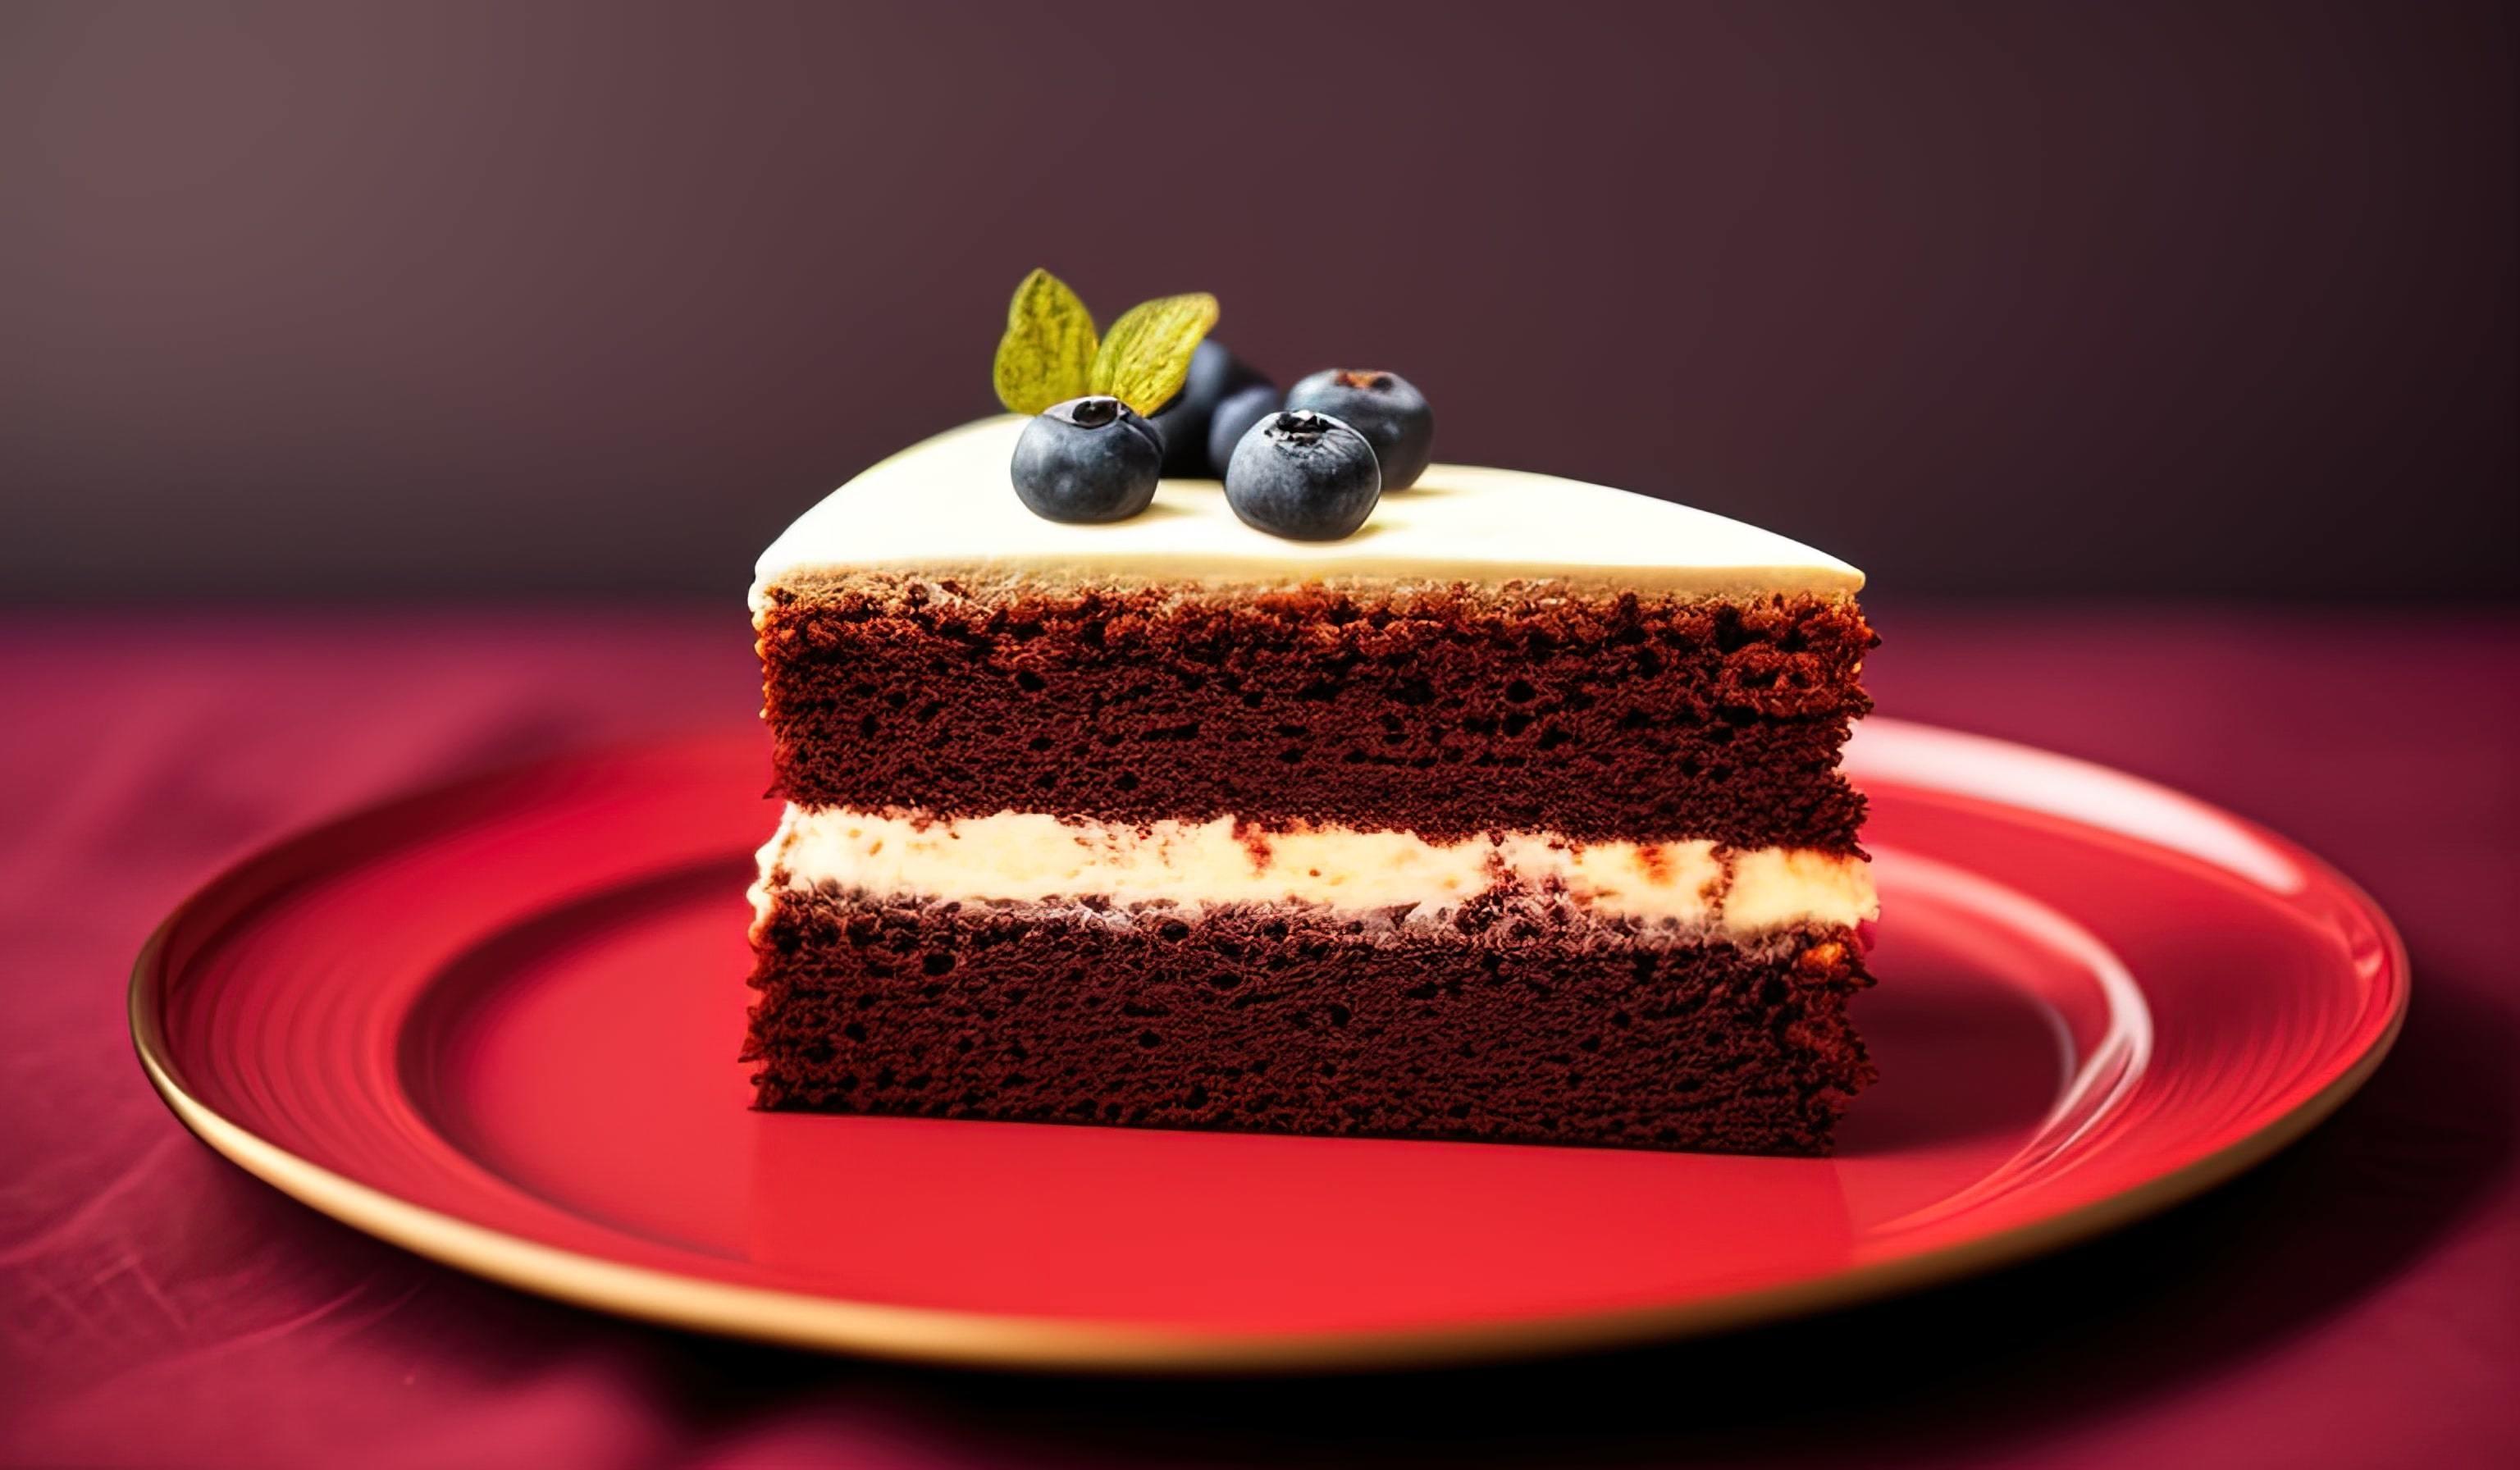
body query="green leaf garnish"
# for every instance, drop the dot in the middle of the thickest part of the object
(1046, 355)
(1146, 355)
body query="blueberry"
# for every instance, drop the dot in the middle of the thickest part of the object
(1087, 460)
(1242, 408)
(1305, 476)
(1215, 375)
(1392, 415)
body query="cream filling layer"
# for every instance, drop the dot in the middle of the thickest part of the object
(1033, 856)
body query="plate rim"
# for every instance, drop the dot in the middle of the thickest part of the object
(958, 1337)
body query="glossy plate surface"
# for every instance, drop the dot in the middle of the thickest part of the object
(497, 1024)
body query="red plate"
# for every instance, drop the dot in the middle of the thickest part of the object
(497, 1024)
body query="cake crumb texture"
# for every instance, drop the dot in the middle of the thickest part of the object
(1497, 1026)
(1444, 711)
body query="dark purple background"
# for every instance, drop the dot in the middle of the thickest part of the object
(2165, 297)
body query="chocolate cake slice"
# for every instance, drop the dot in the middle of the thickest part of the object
(1514, 816)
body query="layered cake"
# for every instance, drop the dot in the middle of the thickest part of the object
(1343, 793)
(1515, 814)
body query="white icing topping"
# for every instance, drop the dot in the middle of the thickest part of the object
(946, 508)
(1032, 856)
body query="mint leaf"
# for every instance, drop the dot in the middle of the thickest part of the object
(1146, 355)
(1046, 355)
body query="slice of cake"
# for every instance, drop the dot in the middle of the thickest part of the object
(1513, 815)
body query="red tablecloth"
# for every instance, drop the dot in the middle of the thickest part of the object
(2355, 1302)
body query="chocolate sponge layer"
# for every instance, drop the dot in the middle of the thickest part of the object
(1445, 712)
(1510, 1022)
